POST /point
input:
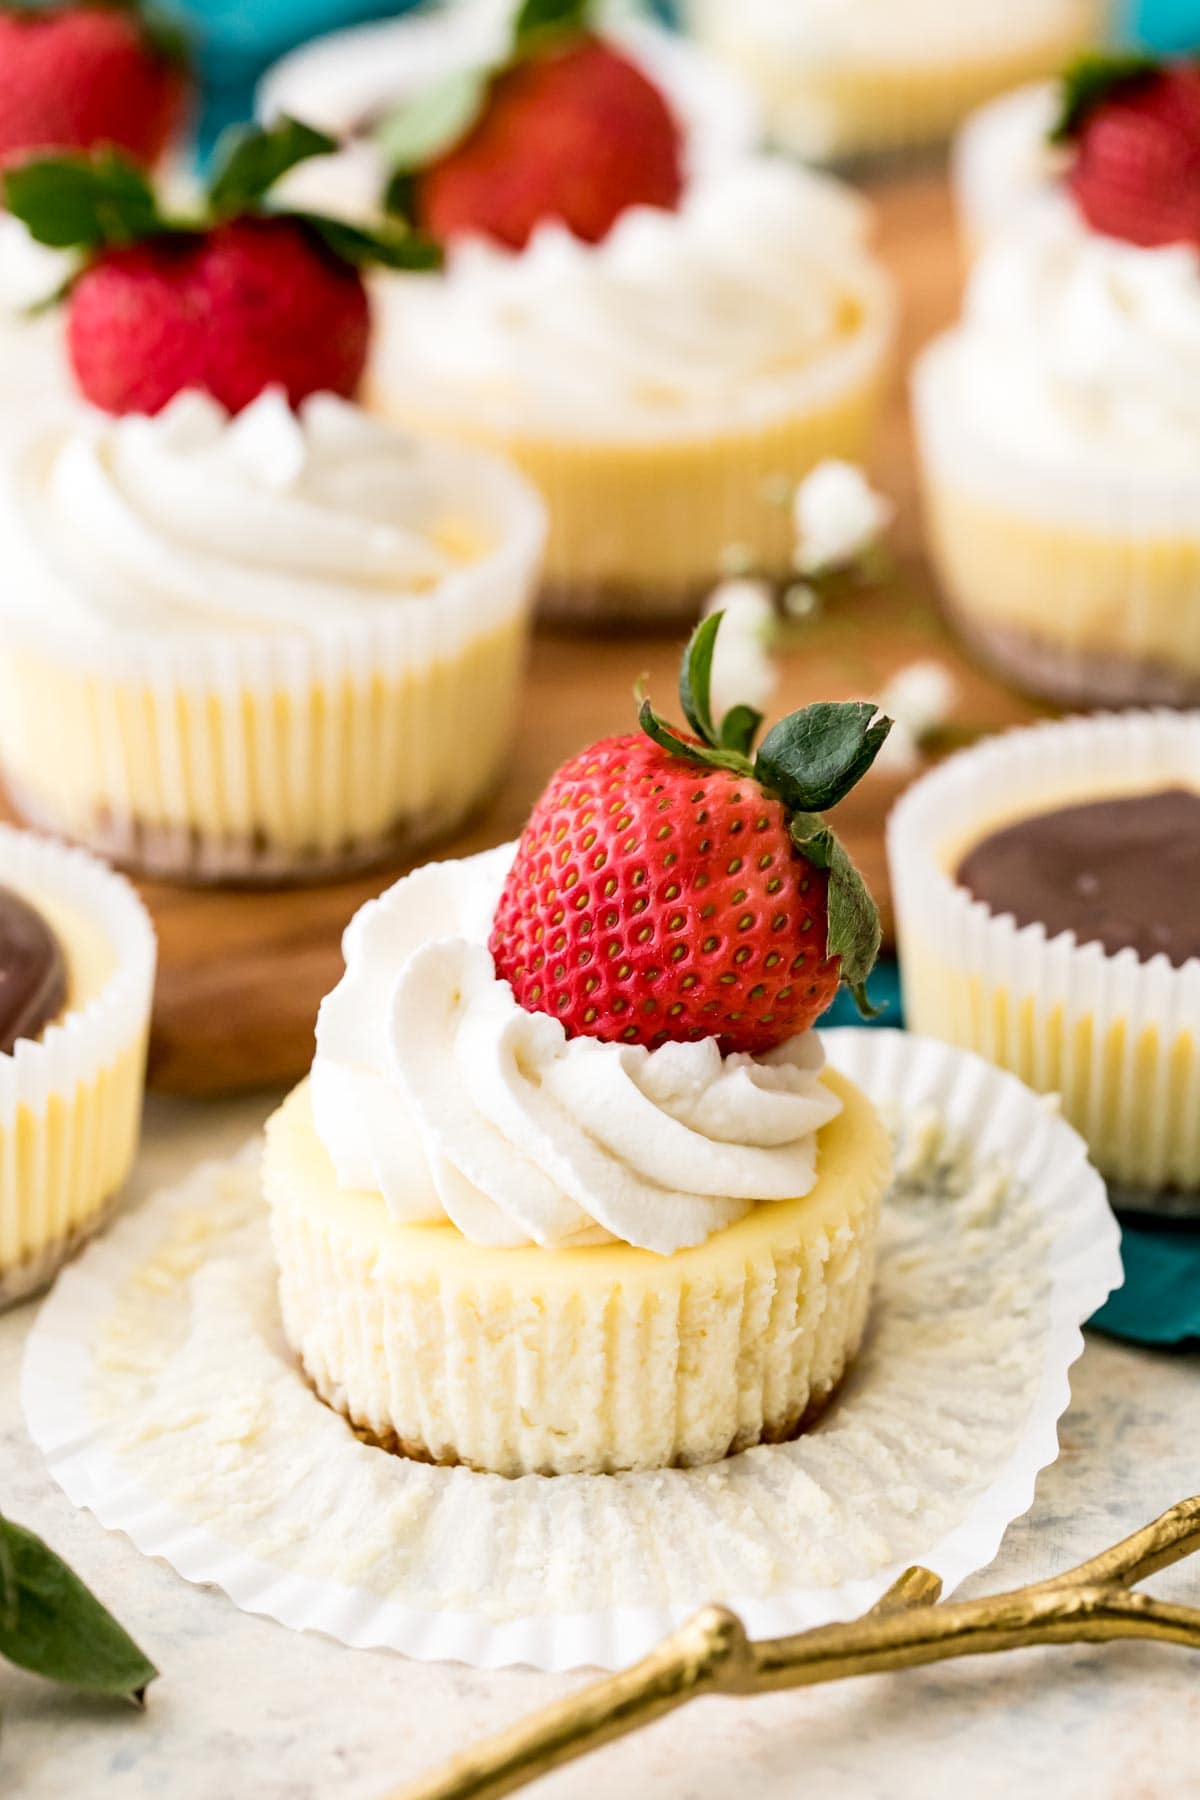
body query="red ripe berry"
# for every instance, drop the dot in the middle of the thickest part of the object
(81, 76)
(674, 888)
(576, 134)
(1136, 173)
(253, 302)
(653, 899)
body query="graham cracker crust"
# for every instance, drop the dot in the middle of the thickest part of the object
(1073, 677)
(183, 854)
(34, 1274)
(784, 1432)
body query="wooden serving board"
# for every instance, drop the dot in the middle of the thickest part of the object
(242, 973)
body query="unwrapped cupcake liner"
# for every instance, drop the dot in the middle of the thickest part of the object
(827, 107)
(643, 523)
(1116, 1038)
(71, 1100)
(250, 754)
(1076, 584)
(158, 1385)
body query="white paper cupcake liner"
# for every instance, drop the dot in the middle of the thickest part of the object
(70, 1100)
(227, 753)
(1117, 1038)
(158, 1385)
(1078, 583)
(830, 92)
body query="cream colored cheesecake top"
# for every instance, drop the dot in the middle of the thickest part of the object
(433, 1087)
(273, 520)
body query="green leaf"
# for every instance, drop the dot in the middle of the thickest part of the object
(164, 33)
(539, 21)
(695, 679)
(669, 740)
(250, 159)
(815, 756)
(52, 1625)
(77, 202)
(854, 933)
(400, 196)
(425, 127)
(366, 248)
(1091, 80)
(739, 728)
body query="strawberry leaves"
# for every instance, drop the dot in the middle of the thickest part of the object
(90, 204)
(854, 933)
(248, 161)
(433, 121)
(810, 761)
(814, 757)
(70, 202)
(538, 21)
(1091, 80)
(52, 1625)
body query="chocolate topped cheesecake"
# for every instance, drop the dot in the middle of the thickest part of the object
(33, 971)
(1046, 888)
(1083, 868)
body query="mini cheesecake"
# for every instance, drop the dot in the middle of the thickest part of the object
(1045, 889)
(608, 1357)
(570, 1189)
(76, 975)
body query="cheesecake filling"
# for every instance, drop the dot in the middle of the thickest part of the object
(434, 1088)
(1122, 872)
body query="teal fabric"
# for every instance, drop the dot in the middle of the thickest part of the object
(235, 40)
(1166, 24)
(1160, 1301)
(883, 990)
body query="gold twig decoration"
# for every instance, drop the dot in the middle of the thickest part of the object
(711, 1654)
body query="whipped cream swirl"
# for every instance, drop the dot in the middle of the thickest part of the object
(433, 1087)
(270, 521)
(1081, 349)
(744, 302)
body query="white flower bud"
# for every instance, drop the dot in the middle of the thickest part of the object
(743, 671)
(838, 516)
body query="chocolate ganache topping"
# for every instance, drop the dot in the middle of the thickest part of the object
(33, 971)
(1122, 872)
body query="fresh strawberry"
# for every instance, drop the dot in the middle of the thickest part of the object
(671, 887)
(1136, 130)
(567, 128)
(74, 77)
(233, 302)
(252, 303)
(576, 134)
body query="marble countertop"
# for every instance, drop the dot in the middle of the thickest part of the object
(245, 1707)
